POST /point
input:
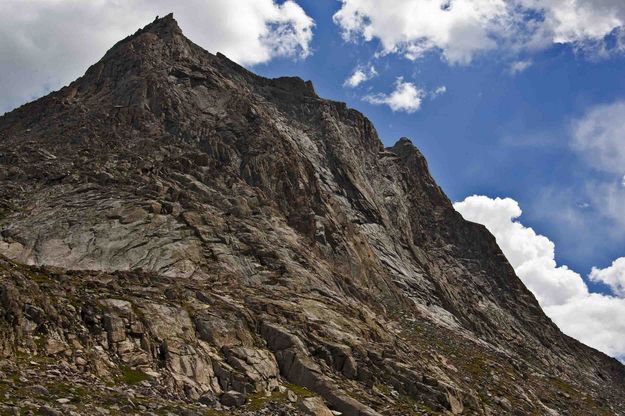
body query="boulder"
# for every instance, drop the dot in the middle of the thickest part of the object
(233, 398)
(208, 398)
(314, 406)
(48, 411)
(115, 328)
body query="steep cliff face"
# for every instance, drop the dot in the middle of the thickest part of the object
(180, 234)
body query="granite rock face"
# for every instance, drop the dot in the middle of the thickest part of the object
(179, 234)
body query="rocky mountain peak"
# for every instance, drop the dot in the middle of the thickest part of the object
(162, 29)
(165, 26)
(196, 235)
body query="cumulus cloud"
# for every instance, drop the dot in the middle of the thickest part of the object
(562, 293)
(413, 27)
(599, 135)
(579, 21)
(461, 29)
(45, 44)
(360, 75)
(593, 320)
(532, 255)
(613, 276)
(406, 97)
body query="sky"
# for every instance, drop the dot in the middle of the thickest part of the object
(518, 106)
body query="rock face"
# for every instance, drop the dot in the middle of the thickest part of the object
(178, 233)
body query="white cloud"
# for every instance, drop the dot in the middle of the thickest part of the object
(590, 317)
(359, 76)
(438, 91)
(596, 320)
(45, 44)
(599, 137)
(532, 255)
(406, 97)
(461, 29)
(517, 67)
(575, 21)
(613, 276)
(414, 27)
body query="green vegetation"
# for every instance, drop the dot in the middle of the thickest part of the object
(131, 376)
(75, 393)
(213, 412)
(384, 389)
(476, 366)
(302, 392)
(258, 401)
(409, 405)
(40, 342)
(563, 386)
(36, 276)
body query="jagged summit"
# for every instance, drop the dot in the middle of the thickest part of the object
(191, 233)
(151, 65)
(165, 27)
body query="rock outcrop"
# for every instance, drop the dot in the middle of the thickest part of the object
(178, 234)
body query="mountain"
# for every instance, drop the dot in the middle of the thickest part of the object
(181, 236)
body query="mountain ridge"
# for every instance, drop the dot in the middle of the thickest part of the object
(346, 264)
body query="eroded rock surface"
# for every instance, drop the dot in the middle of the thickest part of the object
(180, 235)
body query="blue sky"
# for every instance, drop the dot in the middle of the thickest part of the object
(547, 138)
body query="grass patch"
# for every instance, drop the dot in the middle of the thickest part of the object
(258, 401)
(37, 276)
(408, 405)
(384, 389)
(75, 393)
(59, 389)
(212, 412)
(131, 376)
(563, 386)
(477, 366)
(302, 392)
